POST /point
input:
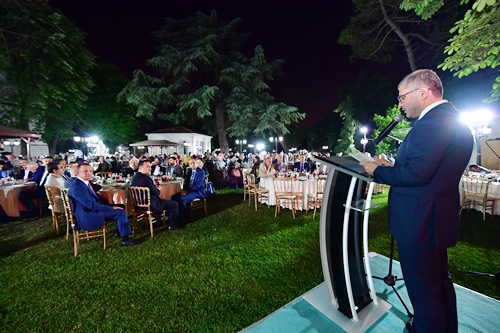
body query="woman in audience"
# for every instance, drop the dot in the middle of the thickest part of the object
(266, 168)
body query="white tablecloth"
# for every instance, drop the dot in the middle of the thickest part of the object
(493, 192)
(9, 197)
(300, 187)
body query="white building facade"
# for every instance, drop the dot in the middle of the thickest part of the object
(188, 141)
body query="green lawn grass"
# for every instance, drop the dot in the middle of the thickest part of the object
(221, 273)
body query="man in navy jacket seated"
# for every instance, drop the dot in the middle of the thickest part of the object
(158, 205)
(194, 185)
(302, 166)
(90, 213)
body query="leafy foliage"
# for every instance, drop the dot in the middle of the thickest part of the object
(44, 56)
(114, 122)
(378, 27)
(201, 74)
(475, 44)
(400, 131)
(345, 144)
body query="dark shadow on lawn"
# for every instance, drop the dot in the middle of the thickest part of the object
(24, 229)
(475, 231)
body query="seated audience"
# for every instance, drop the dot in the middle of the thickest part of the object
(302, 166)
(158, 205)
(90, 213)
(279, 165)
(266, 168)
(156, 168)
(56, 171)
(256, 165)
(24, 173)
(131, 169)
(194, 186)
(173, 169)
(3, 172)
(103, 165)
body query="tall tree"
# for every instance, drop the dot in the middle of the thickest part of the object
(113, 121)
(200, 73)
(44, 56)
(345, 144)
(379, 26)
(476, 41)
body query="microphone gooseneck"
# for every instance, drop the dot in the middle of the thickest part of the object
(397, 119)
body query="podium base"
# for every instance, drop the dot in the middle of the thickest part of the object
(318, 298)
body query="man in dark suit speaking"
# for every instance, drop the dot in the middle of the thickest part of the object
(90, 213)
(158, 205)
(424, 203)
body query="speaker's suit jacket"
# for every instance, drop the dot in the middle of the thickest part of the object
(423, 212)
(424, 201)
(140, 179)
(87, 209)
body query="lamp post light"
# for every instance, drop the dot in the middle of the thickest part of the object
(86, 142)
(364, 141)
(276, 139)
(241, 143)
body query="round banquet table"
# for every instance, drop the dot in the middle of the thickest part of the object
(119, 194)
(170, 188)
(9, 197)
(301, 186)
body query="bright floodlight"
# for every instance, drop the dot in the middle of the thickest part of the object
(364, 141)
(270, 139)
(280, 138)
(325, 147)
(77, 138)
(259, 146)
(479, 117)
(94, 139)
(244, 142)
(237, 141)
(363, 130)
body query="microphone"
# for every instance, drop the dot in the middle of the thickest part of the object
(397, 119)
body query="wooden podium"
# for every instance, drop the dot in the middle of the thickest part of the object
(353, 303)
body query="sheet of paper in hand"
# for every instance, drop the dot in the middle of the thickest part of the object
(360, 157)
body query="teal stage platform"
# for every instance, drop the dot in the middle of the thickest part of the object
(476, 312)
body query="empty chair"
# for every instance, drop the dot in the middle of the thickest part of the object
(141, 207)
(77, 233)
(476, 189)
(283, 191)
(314, 200)
(258, 193)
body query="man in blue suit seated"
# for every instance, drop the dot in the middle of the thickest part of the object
(424, 202)
(90, 213)
(194, 186)
(158, 205)
(302, 166)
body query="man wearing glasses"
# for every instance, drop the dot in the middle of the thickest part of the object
(424, 204)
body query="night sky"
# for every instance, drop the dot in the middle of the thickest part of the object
(303, 33)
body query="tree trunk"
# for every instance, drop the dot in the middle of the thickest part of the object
(221, 130)
(52, 143)
(283, 143)
(401, 35)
